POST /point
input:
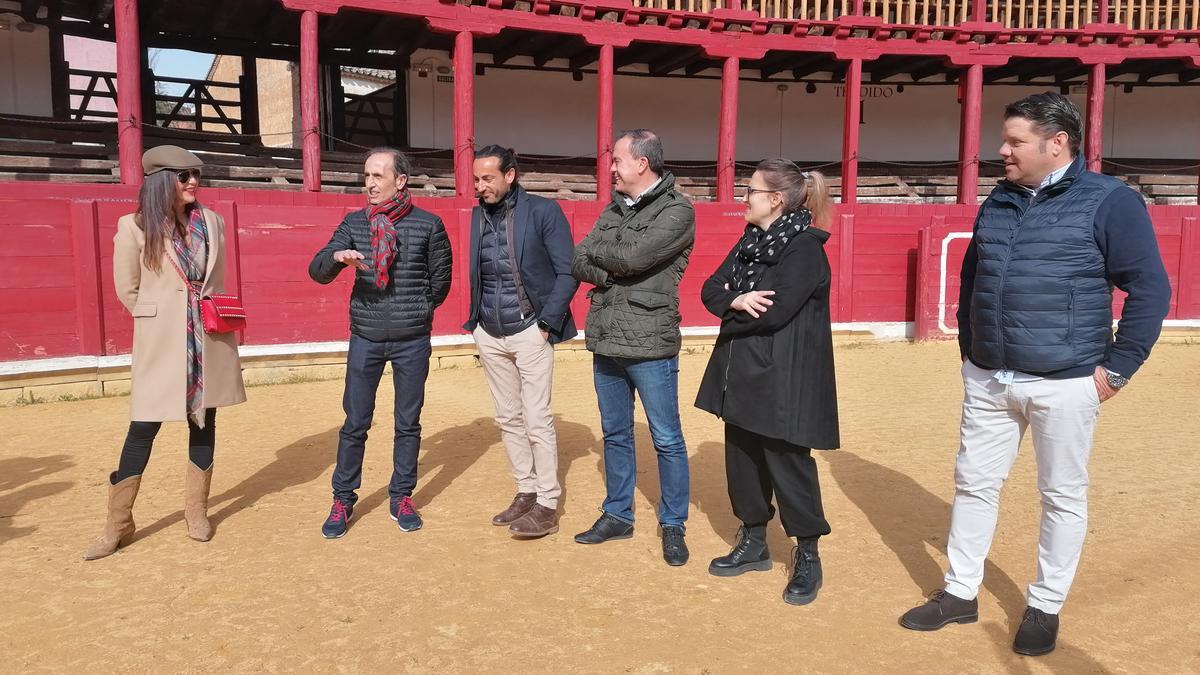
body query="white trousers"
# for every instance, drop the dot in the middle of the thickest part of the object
(1061, 415)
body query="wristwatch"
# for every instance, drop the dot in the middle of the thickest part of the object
(1115, 380)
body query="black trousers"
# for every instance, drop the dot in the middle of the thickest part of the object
(135, 455)
(757, 467)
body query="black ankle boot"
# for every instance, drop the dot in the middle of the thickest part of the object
(749, 553)
(806, 573)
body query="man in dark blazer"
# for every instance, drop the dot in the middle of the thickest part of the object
(521, 290)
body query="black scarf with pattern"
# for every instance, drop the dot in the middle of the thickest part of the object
(758, 249)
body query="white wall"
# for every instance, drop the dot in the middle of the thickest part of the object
(25, 70)
(549, 113)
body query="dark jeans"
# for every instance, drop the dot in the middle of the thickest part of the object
(656, 382)
(756, 466)
(364, 367)
(139, 441)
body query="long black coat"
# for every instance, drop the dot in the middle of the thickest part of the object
(774, 375)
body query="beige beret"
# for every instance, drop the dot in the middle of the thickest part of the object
(169, 157)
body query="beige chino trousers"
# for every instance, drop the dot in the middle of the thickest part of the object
(520, 374)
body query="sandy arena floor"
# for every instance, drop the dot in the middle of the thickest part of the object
(268, 593)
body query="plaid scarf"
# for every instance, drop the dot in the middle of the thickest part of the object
(383, 218)
(758, 249)
(194, 269)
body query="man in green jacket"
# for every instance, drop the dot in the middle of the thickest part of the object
(635, 257)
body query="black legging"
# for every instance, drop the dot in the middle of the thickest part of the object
(140, 439)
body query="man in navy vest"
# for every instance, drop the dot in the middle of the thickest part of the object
(521, 290)
(1038, 351)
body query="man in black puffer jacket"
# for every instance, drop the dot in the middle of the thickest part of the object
(401, 257)
(1038, 351)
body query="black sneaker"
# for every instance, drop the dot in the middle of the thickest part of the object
(941, 608)
(338, 521)
(1037, 634)
(405, 514)
(675, 551)
(606, 528)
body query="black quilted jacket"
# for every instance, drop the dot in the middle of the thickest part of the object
(420, 278)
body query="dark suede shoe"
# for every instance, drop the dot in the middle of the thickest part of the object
(750, 553)
(1037, 634)
(605, 529)
(519, 507)
(539, 521)
(675, 551)
(806, 573)
(941, 608)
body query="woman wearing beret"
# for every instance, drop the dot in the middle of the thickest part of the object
(180, 372)
(770, 377)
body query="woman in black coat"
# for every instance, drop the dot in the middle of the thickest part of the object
(771, 376)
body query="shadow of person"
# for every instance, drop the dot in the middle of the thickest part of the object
(446, 455)
(575, 441)
(295, 464)
(710, 492)
(18, 471)
(16, 474)
(908, 518)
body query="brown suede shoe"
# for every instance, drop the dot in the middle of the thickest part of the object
(539, 522)
(519, 507)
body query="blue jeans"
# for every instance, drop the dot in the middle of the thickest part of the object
(364, 368)
(656, 382)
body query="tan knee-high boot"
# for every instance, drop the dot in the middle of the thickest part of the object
(119, 526)
(195, 502)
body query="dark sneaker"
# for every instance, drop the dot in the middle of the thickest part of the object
(941, 608)
(405, 514)
(338, 521)
(1037, 634)
(606, 528)
(749, 553)
(806, 576)
(675, 551)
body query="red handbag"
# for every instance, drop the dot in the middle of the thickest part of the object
(220, 312)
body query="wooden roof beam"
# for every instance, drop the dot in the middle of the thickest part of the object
(552, 50)
(669, 65)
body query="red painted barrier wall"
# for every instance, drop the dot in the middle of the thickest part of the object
(938, 281)
(56, 295)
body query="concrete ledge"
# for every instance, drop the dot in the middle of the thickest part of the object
(81, 377)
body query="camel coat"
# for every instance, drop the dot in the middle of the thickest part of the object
(158, 303)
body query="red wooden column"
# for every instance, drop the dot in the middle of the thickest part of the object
(310, 93)
(850, 122)
(464, 114)
(727, 134)
(129, 91)
(979, 8)
(1094, 135)
(968, 139)
(1102, 12)
(604, 124)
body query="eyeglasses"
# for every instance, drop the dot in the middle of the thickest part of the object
(752, 190)
(187, 174)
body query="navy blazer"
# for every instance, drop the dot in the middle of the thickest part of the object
(543, 245)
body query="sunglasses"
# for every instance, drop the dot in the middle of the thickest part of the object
(187, 174)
